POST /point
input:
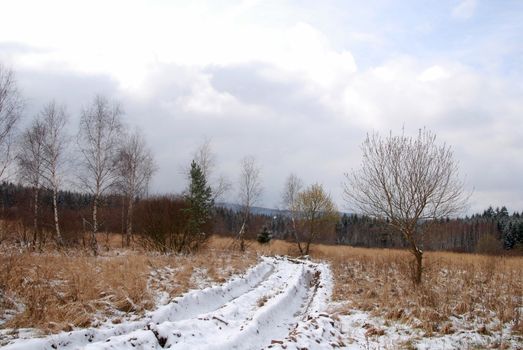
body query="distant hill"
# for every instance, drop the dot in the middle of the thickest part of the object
(254, 210)
(260, 210)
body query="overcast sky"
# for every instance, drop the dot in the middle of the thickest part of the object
(297, 84)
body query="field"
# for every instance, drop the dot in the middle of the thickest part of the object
(465, 301)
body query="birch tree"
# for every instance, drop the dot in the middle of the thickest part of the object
(293, 186)
(250, 191)
(11, 106)
(98, 139)
(54, 119)
(30, 161)
(410, 181)
(135, 167)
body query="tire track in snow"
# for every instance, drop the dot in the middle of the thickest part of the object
(283, 297)
(186, 306)
(279, 301)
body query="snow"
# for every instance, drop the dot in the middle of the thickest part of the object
(257, 310)
(281, 303)
(362, 330)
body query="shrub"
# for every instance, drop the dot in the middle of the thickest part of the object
(488, 244)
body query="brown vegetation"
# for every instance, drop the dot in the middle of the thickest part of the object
(70, 288)
(65, 289)
(485, 290)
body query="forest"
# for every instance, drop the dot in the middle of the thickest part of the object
(495, 231)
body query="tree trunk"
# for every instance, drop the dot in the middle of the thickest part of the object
(418, 254)
(123, 220)
(244, 229)
(241, 236)
(94, 242)
(311, 235)
(95, 214)
(129, 231)
(59, 239)
(35, 216)
(296, 235)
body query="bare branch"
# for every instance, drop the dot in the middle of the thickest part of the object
(98, 139)
(408, 181)
(11, 106)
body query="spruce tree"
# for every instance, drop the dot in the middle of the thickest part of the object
(199, 199)
(264, 236)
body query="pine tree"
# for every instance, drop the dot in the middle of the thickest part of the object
(264, 236)
(200, 201)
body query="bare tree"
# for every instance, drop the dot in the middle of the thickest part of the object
(135, 167)
(206, 160)
(98, 139)
(293, 186)
(11, 106)
(54, 119)
(250, 191)
(30, 165)
(317, 213)
(409, 181)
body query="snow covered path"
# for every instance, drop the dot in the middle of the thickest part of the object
(278, 304)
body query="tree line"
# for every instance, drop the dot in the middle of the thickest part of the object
(404, 190)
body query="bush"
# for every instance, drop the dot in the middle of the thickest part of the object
(488, 244)
(164, 224)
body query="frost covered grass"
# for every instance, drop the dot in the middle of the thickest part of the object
(460, 292)
(54, 291)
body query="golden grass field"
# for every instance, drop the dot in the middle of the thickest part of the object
(71, 288)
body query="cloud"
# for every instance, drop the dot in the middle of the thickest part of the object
(293, 123)
(434, 73)
(316, 132)
(273, 81)
(465, 9)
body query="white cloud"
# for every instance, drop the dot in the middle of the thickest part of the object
(94, 38)
(434, 73)
(465, 9)
(280, 89)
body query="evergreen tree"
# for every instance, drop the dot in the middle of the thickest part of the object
(264, 236)
(199, 199)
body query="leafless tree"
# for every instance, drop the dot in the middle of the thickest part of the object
(98, 139)
(293, 186)
(54, 119)
(206, 160)
(250, 191)
(411, 181)
(30, 165)
(135, 167)
(317, 214)
(11, 106)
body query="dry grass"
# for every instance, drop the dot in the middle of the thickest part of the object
(61, 290)
(54, 291)
(480, 290)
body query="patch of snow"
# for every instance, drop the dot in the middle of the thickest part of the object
(364, 331)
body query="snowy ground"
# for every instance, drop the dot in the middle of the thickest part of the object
(280, 303)
(364, 331)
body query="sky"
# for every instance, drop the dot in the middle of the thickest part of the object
(296, 84)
